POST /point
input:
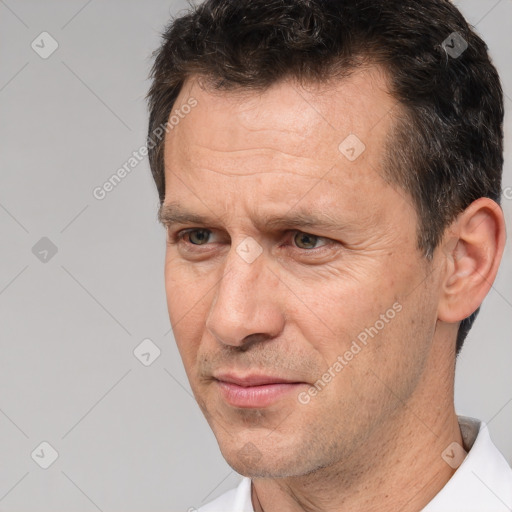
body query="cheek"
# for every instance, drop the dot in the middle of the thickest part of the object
(360, 328)
(187, 303)
(397, 339)
(333, 314)
(185, 288)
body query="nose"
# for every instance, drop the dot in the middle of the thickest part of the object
(245, 308)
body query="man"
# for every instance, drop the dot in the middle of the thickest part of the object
(329, 181)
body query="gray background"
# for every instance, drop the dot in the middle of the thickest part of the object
(130, 437)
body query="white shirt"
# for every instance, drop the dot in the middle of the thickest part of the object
(482, 483)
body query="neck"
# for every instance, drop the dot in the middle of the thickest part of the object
(399, 468)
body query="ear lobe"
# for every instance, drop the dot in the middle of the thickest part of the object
(472, 255)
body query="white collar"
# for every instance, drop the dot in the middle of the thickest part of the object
(482, 483)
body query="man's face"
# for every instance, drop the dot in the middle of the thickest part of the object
(253, 300)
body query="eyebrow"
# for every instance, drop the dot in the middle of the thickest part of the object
(173, 213)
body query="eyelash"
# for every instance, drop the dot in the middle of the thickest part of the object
(179, 236)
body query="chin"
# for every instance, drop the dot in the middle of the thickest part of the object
(258, 470)
(251, 462)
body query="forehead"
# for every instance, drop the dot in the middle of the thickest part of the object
(281, 138)
(305, 114)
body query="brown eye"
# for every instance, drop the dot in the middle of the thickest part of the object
(305, 240)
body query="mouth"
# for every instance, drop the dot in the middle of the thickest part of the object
(254, 391)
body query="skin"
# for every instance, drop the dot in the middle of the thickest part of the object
(372, 439)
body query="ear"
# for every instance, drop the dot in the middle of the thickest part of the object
(472, 251)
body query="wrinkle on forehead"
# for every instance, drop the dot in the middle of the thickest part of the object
(264, 160)
(284, 142)
(283, 119)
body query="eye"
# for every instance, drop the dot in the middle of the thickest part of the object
(201, 236)
(305, 240)
(195, 236)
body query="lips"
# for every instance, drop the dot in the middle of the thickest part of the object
(252, 380)
(254, 391)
